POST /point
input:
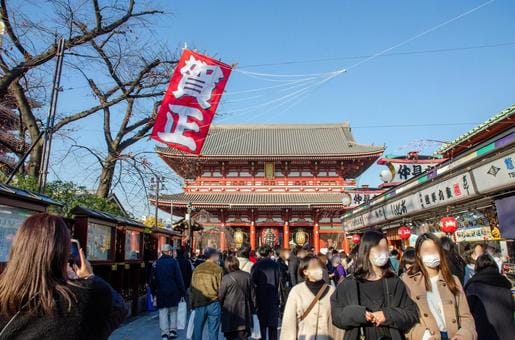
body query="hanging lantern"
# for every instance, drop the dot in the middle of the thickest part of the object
(239, 237)
(356, 238)
(448, 224)
(404, 232)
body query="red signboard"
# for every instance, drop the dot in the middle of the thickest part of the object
(190, 102)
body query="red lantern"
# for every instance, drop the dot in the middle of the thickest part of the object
(356, 238)
(448, 224)
(404, 232)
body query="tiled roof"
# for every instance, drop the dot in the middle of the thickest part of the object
(281, 140)
(254, 199)
(507, 113)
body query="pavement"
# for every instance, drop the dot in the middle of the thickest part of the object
(145, 326)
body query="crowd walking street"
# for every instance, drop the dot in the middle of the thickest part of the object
(257, 170)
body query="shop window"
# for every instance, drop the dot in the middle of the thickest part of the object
(99, 242)
(132, 245)
(10, 220)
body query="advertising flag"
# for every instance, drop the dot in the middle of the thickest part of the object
(190, 102)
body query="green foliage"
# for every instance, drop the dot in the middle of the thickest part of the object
(70, 195)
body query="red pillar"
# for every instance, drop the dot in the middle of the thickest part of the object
(222, 239)
(316, 237)
(252, 236)
(345, 243)
(286, 236)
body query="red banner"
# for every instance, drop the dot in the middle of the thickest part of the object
(190, 102)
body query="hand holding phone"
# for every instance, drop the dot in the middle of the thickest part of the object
(85, 270)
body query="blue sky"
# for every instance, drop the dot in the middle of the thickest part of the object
(459, 88)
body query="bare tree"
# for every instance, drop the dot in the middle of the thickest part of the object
(30, 44)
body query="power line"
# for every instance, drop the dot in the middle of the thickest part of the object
(414, 52)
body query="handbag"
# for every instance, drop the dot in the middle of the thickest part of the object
(256, 328)
(191, 325)
(315, 300)
(182, 314)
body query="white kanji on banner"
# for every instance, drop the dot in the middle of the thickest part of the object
(198, 80)
(171, 135)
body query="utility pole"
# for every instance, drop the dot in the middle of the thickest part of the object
(156, 185)
(189, 244)
(48, 131)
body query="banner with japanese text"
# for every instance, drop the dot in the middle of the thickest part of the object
(190, 102)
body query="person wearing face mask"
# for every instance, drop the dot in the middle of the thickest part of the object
(308, 310)
(372, 302)
(443, 307)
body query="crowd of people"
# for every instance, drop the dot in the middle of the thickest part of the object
(427, 292)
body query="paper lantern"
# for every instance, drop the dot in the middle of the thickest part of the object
(404, 232)
(448, 224)
(356, 238)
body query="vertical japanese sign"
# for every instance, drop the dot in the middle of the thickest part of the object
(190, 102)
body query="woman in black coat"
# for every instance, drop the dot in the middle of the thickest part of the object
(238, 300)
(373, 302)
(490, 300)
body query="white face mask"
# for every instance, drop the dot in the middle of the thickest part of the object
(316, 274)
(380, 259)
(431, 260)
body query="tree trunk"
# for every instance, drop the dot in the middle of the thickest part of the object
(34, 164)
(106, 177)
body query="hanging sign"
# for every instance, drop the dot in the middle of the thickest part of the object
(496, 174)
(454, 189)
(190, 102)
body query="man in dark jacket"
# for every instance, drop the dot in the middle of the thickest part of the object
(490, 300)
(266, 276)
(186, 267)
(168, 287)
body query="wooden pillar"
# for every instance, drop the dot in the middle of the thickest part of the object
(316, 237)
(252, 235)
(286, 235)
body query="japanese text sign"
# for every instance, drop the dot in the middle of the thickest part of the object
(190, 102)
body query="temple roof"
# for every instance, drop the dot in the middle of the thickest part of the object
(288, 140)
(226, 199)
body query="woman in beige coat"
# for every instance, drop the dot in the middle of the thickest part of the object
(316, 324)
(443, 308)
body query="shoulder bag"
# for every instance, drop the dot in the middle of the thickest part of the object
(315, 300)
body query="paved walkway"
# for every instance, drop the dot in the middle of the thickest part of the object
(143, 327)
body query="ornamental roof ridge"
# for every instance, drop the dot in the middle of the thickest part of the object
(345, 125)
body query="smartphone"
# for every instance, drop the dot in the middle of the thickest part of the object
(74, 253)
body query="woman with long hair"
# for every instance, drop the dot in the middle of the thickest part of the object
(443, 307)
(238, 300)
(454, 260)
(372, 302)
(308, 309)
(41, 297)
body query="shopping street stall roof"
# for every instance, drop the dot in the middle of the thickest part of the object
(17, 193)
(498, 123)
(475, 175)
(82, 211)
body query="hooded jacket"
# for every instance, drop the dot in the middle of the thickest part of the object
(492, 305)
